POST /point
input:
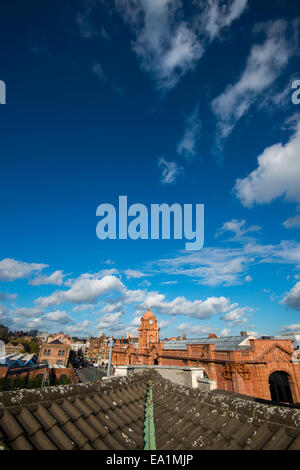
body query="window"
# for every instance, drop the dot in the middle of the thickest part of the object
(59, 363)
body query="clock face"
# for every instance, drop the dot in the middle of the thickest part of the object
(150, 322)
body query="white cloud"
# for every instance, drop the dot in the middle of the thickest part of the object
(170, 171)
(225, 332)
(134, 274)
(11, 269)
(228, 266)
(218, 15)
(59, 316)
(181, 306)
(56, 278)
(110, 307)
(80, 328)
(238, 227)
(291, 328)
(83, 307)
(277, 175)
(292, 222)
(136, 322)
(264, 65)
(165, 45)
(187, 147)
(109, 321)
(28, 312)
(292, 299)
(86, 288)
(168, 283)
(237, 315)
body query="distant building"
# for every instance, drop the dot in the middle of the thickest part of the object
(98, 349)
(3, 333)
(55, 353)
(43, 335)
(13, 348)
(59, 336)
(264, 368)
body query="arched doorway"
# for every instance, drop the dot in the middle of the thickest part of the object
(280, 387)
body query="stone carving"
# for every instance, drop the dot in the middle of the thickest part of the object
(233, 368)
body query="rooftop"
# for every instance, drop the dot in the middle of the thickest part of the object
(224, 343)
(110, 415)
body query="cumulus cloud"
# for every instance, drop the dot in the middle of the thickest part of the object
(80, 328)
(59, 316)
(237, 315)
(187, 147)
(170, 171)
(83, 307)
(292, 299)
(11, 269)
(86, 288)
(28, 312)
(181, 306)
(56, 278)
(109, 321)
(277, 175)
(265, 63)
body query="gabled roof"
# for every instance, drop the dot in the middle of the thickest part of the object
(56, 341)
(110, 415)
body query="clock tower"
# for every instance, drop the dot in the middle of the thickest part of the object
(149, 331)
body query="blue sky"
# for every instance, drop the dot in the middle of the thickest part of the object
(165, 102)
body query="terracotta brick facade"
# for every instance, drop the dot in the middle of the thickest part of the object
(245, 371)
(56, 353)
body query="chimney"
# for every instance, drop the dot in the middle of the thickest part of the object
(183, 334)
(212, 335)
(244, 333)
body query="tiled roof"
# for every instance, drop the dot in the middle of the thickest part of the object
(110, 415)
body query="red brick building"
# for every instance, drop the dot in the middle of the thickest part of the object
(55, 353)
(264, 368)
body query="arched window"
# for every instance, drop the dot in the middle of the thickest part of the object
(280, 387)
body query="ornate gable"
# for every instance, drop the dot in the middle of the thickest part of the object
(275, 353)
